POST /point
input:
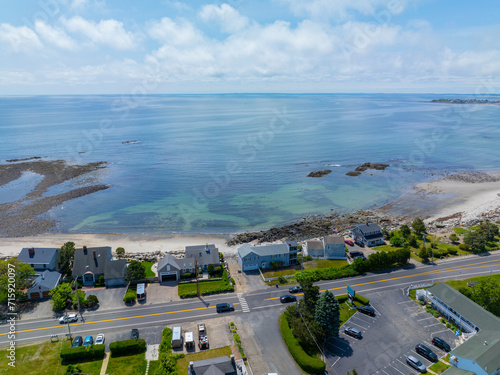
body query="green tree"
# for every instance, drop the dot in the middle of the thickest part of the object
(210, 269)
(405, 231)
(454, 238)
(23, 276)
(135, 271)
(92, 301)
(60, 295)
(418, 226)
(475, 240)
(73, 369)
(311, 293)
(397, 241)
(305, 328)
(487, 294)
(413, 241)
(66, 257)
(489, 231)
(120, 251)
(327, 314)
(424, 254)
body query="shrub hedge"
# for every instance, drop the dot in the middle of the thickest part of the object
(130, 296)
(307, 363)
(82, 354)
(127, 347)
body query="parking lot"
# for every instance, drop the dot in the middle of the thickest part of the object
(387, 338)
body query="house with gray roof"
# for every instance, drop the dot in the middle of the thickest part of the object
(42, 285)
(202, 255)
(329, 247)
(169, 268)
(90, 263)
(368, 234)
(253, 257)
(40, 258)
(213, 366)
(480, 353)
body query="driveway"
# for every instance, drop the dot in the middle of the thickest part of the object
(160, 293)
(399, 324)
(111, 298)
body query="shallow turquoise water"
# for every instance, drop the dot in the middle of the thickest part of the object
(227, 163)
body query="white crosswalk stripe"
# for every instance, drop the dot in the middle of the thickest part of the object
(243, 303)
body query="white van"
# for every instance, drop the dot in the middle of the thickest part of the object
(176, 337)
(141, 292)
(189, 340)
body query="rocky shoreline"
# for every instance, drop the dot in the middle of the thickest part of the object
(26, 216)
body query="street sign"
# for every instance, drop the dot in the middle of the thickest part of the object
(457, 333)
(350, 292)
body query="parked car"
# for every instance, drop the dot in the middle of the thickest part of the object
(425, 352)
(368, 310)
(362, 257)
(89, 340)
(221, 307)
(288, 298)
(99, 339)
(354, 332)
(349, 242)
(68, 318)
(295, 289)
(134, 334)
(356, 253)
(415, 363)
(77, 341)
(441, 344)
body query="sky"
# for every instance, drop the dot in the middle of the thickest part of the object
(61, 47)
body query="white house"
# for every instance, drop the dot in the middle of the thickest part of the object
(368, 234)
(329, 247)
(253, 257)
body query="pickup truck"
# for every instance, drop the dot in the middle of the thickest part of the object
(202, 336)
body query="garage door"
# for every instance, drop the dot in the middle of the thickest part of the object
(34, 295)
(46, 294)
(251, 267)
(168, 277)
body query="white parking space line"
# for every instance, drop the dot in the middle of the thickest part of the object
(429, 317)
(359, 325)
(384, 372)
(400, 303)
(433, 324)
(396, 369)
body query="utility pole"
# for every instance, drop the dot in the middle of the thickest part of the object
(196, 275)
(433, 246)
(77, 296)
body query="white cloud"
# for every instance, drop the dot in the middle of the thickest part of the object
(106, 32)
(177, 33)
(20, 38)
(229, 19)
(79, 4)
(54, 35)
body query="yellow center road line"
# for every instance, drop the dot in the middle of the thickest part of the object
(451, 269)
(116, 319)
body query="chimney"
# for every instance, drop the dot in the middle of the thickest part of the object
(43, 276)
(85, 250)
(31, 251)
(232, 359)
(95, 255)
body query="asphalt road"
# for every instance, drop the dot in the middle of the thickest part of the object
(261, 300)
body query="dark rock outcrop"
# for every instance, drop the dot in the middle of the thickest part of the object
(353, 173)
(378, 166)
(319, 173)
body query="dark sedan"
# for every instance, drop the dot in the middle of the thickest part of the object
(367, 310)
(424, 351)
(134, 334)
(295, 289)
(288, 298)
(78, 341)
(441, 344)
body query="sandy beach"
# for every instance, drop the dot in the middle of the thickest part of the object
(132, 243)
(470, 195)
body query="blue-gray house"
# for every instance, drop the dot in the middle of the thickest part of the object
(252, 257)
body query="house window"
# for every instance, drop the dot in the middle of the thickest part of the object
(168, 267)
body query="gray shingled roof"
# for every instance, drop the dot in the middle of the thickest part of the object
(263, 250)
(368, 227)
(334, 240)
(211, 365)
(47, 279)
(42, 255)
(314, 245)
(115, 269)
(84, 261)
(168, 259)
(489, 324)
(203, 257)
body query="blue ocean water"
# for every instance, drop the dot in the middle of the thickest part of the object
(230, 163)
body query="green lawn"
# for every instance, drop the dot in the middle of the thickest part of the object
(345, 313)
(205, 285)
(282, 272)
(148, 266)
(153, 366)
(183, 363)
(440, 367)
(457, 284)
(311, 264)
(43, 359)
(127, 365)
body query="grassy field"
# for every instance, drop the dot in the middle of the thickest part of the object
(463, 283)
(311, 264)
(153, 366)
(191, 287)
(183, 363)
(148, 266)
(440, 367)
(345, 313)
(127, 365)
(43, 359)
